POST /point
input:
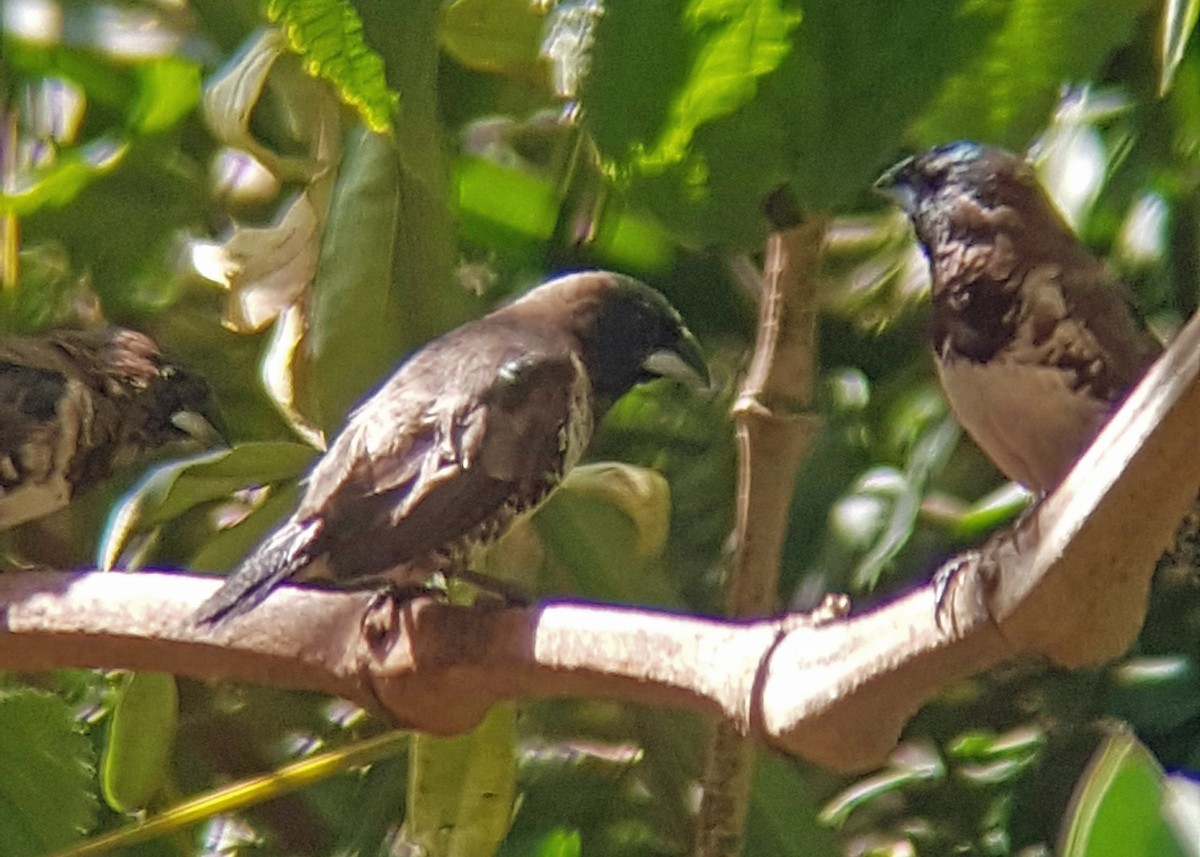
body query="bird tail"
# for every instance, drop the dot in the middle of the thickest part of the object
(284, 553)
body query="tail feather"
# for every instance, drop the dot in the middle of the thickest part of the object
(284, 553)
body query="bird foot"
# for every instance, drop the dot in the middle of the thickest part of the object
(381, 619)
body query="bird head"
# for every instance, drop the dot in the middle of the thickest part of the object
(184, 409)
(627, 332)
(168, 404)
(966, 190)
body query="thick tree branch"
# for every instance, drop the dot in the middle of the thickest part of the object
(1069, 583)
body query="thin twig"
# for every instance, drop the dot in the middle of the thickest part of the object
(775, 429)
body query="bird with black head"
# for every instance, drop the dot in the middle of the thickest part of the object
(472, 431)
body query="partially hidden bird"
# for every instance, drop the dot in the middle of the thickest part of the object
(473, 430)
(1034, 340)
(74, 405)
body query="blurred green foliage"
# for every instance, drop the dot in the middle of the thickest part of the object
(452, 153)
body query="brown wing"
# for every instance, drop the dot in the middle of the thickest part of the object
(1076, 319)
(436, 458)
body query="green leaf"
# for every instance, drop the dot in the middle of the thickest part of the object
(46, 798)
(168, 90)
(461, 789)
(1178, 22)
(499, 204)
(734, 43)
(782, 816)
(141, 740)
(171, 489)
(1117, 809)
(153, 96)
(355, 333)
(73, 170)
(223, 549)
(238, 796)
(1156, 694)
(982, 747)
(328, 34)
(1006, 92)
(669, 103)
(424, 244)
(494, 36)
(503, 206)
(903, 496)
(604, 528)
(641, 493)
(905, 771)
(704, 108)
(990, 511)
(560, 842)
(860, 75)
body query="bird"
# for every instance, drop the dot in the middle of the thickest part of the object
(75, 405)
(472, 431)
(1034, 341)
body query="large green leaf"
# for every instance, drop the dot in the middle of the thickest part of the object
(355, 329)
(1120, 807)
(171, 489)
(461, 789)
(46, 798)
(1006, 91)
(141, 740)
(860, 74)
(734, 44)
(704, 107)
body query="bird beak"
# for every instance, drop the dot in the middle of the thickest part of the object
(200, 428)
(685, 362)
(896, 185)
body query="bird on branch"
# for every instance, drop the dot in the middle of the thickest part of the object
(474, 430)
(1034, 340)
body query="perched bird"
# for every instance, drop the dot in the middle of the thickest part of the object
(474, 429)
(76, 404)
(1033, 339)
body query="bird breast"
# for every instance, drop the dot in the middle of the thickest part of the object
(1026, 417)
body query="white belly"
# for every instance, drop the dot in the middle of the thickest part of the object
(1025, 418)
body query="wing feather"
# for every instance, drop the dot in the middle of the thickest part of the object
(472, 465)
(476, 428)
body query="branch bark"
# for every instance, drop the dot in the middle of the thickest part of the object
(1069, 583)
(775, 430)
